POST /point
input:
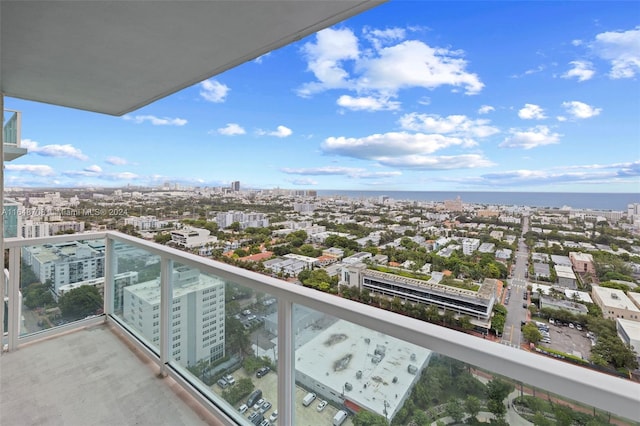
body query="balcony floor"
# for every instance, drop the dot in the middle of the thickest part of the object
(90, 376)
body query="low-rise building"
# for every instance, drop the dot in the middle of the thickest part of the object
(614, 303)
(565, 276)
(629, 333)
(582, 263)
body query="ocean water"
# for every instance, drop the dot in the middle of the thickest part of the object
(576, 200)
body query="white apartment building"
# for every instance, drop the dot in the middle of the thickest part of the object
(121, 281)
(246, 220)
(197, 314)
(469, 245)
(145, 223)
(65, 263)
(192, 237)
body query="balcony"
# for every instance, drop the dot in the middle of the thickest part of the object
(170, 327)
(11, 125)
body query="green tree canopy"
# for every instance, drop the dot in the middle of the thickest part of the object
(81, 302)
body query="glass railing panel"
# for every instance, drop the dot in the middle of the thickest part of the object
(136, 292)
(224, 338)
(348, 374)
(60, 283)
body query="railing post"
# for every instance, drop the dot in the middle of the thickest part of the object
(14, 297)
(109, 276)
(166, 267)
(286, 372)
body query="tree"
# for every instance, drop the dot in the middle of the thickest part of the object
(531, 333)
(497, 391)
(367, 418)
(454, 410)
(472, 406)
(465, 323)
(81, 302)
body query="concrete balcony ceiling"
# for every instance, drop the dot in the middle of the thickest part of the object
(116, 56)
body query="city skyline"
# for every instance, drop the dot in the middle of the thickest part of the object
(408, 96)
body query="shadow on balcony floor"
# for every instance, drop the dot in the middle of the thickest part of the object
(90, 377)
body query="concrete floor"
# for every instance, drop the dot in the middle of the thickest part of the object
(90, 377)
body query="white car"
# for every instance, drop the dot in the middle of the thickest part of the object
(321, 405)
(243, 408)
(258, 404)
(274, 416)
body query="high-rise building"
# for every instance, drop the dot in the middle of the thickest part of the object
(235, 186)
(197, 314)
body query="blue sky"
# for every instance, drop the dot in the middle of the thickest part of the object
(411, 95)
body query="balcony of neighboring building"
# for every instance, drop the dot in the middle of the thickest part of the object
(11, 125)
(169, 327)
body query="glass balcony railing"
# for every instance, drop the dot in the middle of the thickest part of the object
(11, 127)
(254, 348)
(11, 134)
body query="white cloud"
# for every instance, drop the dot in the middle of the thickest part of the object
(116, 161)
(459, 125)
(424, 162)
(621, 49)
(531, 112)
(324, 59)
(383, 147)
(124, 176)
(34, 169)
(303, 182)
(531, 138)
(93, 169)
(261, 58)
(321, 171)
(581, 110)
(280, 132)
(379, 38)
(561, 118)
(386, 67)
(413, 63)
(367, 103)
(587, 174)
(582, 70)
(352, 172)
(231, 129)
(156, 121)
(213, 91)
(55, 150)
(485, 109)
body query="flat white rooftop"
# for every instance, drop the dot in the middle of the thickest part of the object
(335, 356)
(90, 376)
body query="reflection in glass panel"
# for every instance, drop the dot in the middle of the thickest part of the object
(224, 336)
(60, 283)
(348, 373)
(136, 291)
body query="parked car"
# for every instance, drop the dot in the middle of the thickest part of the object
(265, 422)
(578, 327)
(243, 408)
(321, 405)
(229, 379)
(253, 416)
(274, 416)
(571, 325)
(222, 383)
(265, 407)
(262, 372)
(258, 404)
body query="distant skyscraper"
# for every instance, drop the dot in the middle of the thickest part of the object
(235, 185)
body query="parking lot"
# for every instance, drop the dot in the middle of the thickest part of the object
(569, 340)
(305, 416)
